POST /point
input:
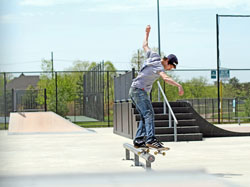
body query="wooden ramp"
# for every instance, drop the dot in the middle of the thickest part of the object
(41, 122)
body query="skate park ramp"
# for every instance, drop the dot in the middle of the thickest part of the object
(210, 130)
(41, 122)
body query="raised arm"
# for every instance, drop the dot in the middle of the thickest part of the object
(145, 41)
(170, 81)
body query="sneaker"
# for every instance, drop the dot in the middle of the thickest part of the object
(139, 144)
(155, 144)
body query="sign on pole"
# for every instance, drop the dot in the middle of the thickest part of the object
(213, 74)
(224, 74)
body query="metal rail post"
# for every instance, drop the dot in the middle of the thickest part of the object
(170, 112)
(147, 156)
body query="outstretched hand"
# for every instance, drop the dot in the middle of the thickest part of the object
(181, 91)
(148, 28)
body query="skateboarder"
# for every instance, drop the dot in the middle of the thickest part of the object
(153, 68)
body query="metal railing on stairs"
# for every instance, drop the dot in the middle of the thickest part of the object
(170, 111)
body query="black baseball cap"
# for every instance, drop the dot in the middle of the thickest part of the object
(172, 59)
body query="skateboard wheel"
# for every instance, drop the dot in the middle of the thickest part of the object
(148, 151)
(155, 152)
(163, 153)
(139, 153)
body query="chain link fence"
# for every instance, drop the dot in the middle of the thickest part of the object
(88, 96)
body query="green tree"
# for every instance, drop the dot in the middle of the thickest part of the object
(139, 57)
(235, 83)
(171, 92)
(235, 89)
(92, 66)
(79, 65)
(66, 89)
(196, 88)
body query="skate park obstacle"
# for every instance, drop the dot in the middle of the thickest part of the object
(138, 153)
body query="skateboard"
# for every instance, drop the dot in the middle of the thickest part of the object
(156, 151)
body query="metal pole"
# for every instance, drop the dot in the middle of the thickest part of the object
(164, 107)
(205, 108)
(84, 94)
(133, 73)
(136, 159)
(138, 60)
(221, 102)
(127, 154)
(175, 132)
(5, 102)
(228, 110)
(158, 20)
(218, 58)
(108, 95)
(45, 100)
(169, 119)
(13, 93)
(56, 90)
(235, 16)
(159, 96)
(218, 65)
(103, 90)
(213, 108)
(52, 63)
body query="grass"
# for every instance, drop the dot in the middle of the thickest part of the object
(81, 124)
(95, 124)
(2, 126)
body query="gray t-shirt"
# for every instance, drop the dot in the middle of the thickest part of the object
(149, 72)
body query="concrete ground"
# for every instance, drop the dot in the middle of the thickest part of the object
(97, 159)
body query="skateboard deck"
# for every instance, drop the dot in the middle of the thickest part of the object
(156, 151)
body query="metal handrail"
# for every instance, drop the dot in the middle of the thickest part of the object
(170, 113)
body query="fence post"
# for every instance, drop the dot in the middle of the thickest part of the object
(56, 90)
(103, 89)
(213, 108)
(205, 108)
(5, 102)
(133, 73)
(159, 97)
(198, 103)
(45, 100)
(228, 105)
(12, 94)
(236, 106)
(108, 95)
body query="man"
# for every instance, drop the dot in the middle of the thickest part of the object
(153, 68)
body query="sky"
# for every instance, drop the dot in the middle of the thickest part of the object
(97, 30)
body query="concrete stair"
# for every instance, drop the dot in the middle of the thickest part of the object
(187, 130)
